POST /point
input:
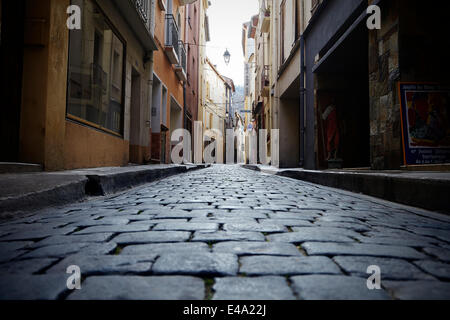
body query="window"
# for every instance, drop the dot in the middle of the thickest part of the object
(162, 4)
(96, 72)
(282, 33)
(296, 20)
(179, 21)
(314, 5)
(164, 106)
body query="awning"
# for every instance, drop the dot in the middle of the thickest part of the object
(325, 62)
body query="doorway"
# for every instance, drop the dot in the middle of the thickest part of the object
(342, 112)
(156, 120)
(176, 120)
(12, 17)
(163, 142)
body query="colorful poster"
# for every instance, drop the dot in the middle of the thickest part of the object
(425, 112)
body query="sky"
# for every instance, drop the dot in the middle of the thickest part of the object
(225, 25)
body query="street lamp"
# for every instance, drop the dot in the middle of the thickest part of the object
(227, 57)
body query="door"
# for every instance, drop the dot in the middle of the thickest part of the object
(163, 146)
(11, 48)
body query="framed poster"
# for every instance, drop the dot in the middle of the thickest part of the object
(425, 112)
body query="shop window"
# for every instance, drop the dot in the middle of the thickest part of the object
(96, 71)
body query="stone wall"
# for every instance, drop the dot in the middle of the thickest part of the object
(384, 74)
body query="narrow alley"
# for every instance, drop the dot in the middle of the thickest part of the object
(224, 150)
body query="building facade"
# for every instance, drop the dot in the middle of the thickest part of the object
(248, 47)
(230, 90)
(263, 111)
(192, 28)
(204, 38)
(110, 91)
(77, 98)
(217, 102)
(335, 83)
(169, 77)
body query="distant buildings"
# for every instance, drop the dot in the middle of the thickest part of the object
(248, 46)
(217, 102)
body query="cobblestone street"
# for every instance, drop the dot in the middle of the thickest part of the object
(227, 233)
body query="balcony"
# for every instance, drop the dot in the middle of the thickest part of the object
(180, 68)
(137, 14)
(184, 2)
(265, 82)
(265, 21)
(171, 45)
(142, 7)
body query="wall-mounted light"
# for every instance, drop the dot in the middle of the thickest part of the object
(227, 57)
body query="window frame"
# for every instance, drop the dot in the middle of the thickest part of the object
(282, 30)
(87, 123)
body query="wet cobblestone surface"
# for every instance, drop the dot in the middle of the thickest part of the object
(227, 233)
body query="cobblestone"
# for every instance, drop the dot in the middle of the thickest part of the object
(391, 269)
(287, 266)
(107, 264)
(140, 288)
(28, 287)
(220, 236)
(255, 227)
(438, 269)
(322, 287)
(201, 264)
(262, 288)
(257, 248)
(419, 290)
(309, 234)
(161, 248)
(187, 226)
(55, 240)
(151, 237)
(28, 267)
(114, 229)
(357, 249)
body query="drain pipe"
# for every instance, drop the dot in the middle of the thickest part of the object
(149, 58)
(150, 99)
(302, 102)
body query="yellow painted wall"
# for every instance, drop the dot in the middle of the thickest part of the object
(86, 147)
(44, 84)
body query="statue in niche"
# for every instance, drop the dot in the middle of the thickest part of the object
(331, 134)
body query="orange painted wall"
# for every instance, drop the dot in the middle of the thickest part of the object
(88, 148)
(162, 66)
